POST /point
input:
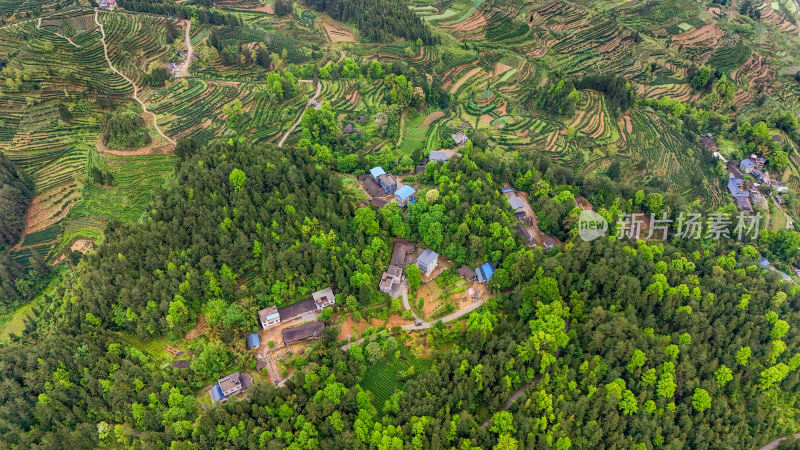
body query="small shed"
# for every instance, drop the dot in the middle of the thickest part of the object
(375, 172)
(349, 129)
(253, 341)
(485, 272)
(216, 393)
(467, 273)
(763, 262)
(459, 138)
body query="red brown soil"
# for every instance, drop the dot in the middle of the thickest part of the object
(198, 330)
(464, 78)
(432, 117)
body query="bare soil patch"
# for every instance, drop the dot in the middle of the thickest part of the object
(432, 117)
(337, 33)
(500, 69)
(464, 78)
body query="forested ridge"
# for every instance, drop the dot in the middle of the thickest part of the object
(626, 343)
(378, 20)
(16, 194)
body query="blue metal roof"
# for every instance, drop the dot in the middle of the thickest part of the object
(485, 272)
(376, 171)
(734, 186)
(748, 163)
(216, 393)
(253, 341)
(405, 192)
(764, 262)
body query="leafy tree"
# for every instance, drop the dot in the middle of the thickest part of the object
(414, 276)
(701, 400)
(237, 178)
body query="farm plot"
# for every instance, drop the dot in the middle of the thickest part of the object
(383, 378)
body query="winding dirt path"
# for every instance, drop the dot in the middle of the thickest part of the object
(774, 444)
(39, 27)
(135, 88)
(183, 68)
(296, 124)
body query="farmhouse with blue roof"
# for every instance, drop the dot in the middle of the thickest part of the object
(405, 195)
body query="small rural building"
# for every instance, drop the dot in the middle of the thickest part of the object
(526, 235)
(323, 298)
(390, 279)
(778, 185)
(743, 203)
(311, 330)
(735, 188)
(516, 204)
(405, 195)
(467, 273)
(297, 310)
(107, 4)
(459, 138)
(485, 272)
(708, 143)
(388, 182)
(377, 171)
(253, 341)
(763, 262)
(181, 364)
(314, 103)
(349, 129)
(428, 261)
(362, 119)
(269, 317)
(779, 199)
(230, 385)
(439, 155)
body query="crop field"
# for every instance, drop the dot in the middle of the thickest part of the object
(382, 378)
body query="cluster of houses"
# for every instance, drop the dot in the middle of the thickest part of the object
(107, 4)
(403, 193)
(270, 317)
(745, 194)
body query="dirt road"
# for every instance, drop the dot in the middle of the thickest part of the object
(296, 124)
(183, 67)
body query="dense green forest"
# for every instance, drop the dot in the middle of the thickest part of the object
(125, 128)
(16, 194)
(238, 211)
(378, 20)
(612, 342)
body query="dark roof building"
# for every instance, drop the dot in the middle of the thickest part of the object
(181, 364)
(298, 309)
(708, 143)
(467, 273)
(526, 235)
(311, 330)
(349, 129)
(388, 182)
